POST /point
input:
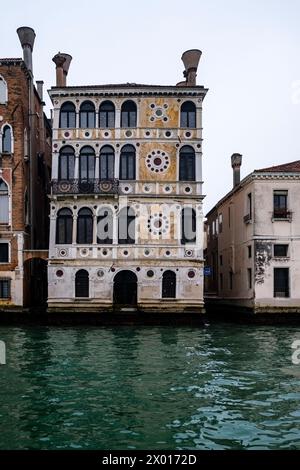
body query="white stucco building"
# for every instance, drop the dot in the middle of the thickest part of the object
(126, 221)
(253, 242)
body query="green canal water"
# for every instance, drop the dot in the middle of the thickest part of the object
(216, 387)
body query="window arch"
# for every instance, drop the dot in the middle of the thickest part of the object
(169, 285)
(107, 162)
(87, 115)
(128, 114)
(4, 202)
(64, 226)
(66, 163)
(87, 163)
(188, 225)
(85, 226)
(7, 139)
(187, 170)
(67, 116)
(127, 163)
(126, 228)
(105, 226)
(106, 114)
(82, 283)
(188, 115)
(3, 91)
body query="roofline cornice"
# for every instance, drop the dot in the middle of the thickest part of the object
(99, 91)
(256, 175)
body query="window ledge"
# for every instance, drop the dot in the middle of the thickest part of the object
(82, 299)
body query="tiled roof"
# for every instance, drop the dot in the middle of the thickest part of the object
(9, 59)
(126, 85)
(293, 167)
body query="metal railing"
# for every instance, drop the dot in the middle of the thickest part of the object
(85, 186)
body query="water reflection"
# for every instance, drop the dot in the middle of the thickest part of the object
(221, 387)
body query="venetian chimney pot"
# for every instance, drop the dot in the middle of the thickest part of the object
(27, 37)
(236, 163)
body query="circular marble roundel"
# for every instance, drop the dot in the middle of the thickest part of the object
(157, 161)
(158, 224)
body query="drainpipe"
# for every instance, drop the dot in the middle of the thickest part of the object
(27, 37)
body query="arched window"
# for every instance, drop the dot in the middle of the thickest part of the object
(105, 226)
(85, 226)
(7, 139)
(87, 163)
(188, 225)
(126, 230)
(4, 203)
(106, 114)
(87, 115)
(67, 117)
(82, 283)
(128, 114)
(187, 170)
(3, 91)
(127, 163)
(107, 163)
(169, 285)
(188, 115)
(64, 226)
(66, 163)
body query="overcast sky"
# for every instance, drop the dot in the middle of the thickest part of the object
(250, 63)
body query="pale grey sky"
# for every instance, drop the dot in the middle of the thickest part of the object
(250, 63)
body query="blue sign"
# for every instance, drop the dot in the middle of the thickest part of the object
(207, 271)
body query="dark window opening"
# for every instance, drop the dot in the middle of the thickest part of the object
(107, 163)
(281, 282)
(105, 227)
(249, 251)
(4, 288)
(188, 226)
(280, 205)
(67, 117)
(85, 226)
(66, 163)
(107, 115)
(87, 164)
(169, 285)
(188, 115)
(7, 140)
(4, 252)
(281, 250)
(64, 227)
(87, 115)
(128, 114)
(249, 272)
(82, 283)
(187, 164)
(127, 163)
(126, 228)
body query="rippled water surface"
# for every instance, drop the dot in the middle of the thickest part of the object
(219, 387)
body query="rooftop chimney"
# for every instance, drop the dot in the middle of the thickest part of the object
(39, 86)
(236, 163)
(190, 60)
(27, 37)
(62, 62)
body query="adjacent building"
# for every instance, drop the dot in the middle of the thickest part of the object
(253, 242)
(25, 164)
(126, 220)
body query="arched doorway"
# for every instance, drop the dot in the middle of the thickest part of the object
(125, 288)
(169, 285)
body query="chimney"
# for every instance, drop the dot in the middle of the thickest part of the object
(236, 163)
(39, 86)
(27, 37)
(190, 60)
(66, 65)
(62, 62)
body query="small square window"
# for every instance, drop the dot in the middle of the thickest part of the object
(3, 252)
(4, 288)
(281, 251)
